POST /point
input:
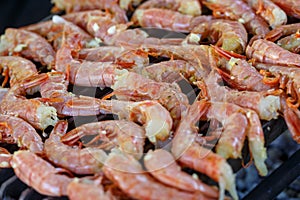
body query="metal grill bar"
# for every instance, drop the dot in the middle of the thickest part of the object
(283, 176)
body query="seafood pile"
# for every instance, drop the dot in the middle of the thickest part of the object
(180, 107)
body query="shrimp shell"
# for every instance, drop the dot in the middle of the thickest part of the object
(268, 10)
(16, 130)
(291, 7)
(127, 173)
(39, 174)
(81, 161)
(162, 165)
(126, 135)
(18, 68)
(264, 51)
(240, 11)
(28, 44)
(166, 19)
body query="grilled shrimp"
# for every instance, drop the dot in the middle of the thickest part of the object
(170, 71)
(80, 161)
(134, 38)
(80, 187)
(59, 31)
(162, 165)
(102, 26)
(5, 158)
(196, 55)
(239, 123)
(268, 10)
(39, 174)
(86, 73)
(281, 31)
(126, 135)
(16, 130)
(32, 111)
(240, 11)
(17, 68)
(154, 117)
(166, 19)
(128, 174)
(190, 7)
(169, 95)
(291, 7)
(78, 5)
(265, 51)
(265, 103)
(228, 34)
(286, 78)
(238, 73)
(291, 43)
(28, 44)
(54, 91)
(101, 53)
(193, 155)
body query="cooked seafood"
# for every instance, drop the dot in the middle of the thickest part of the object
(132, 99)
(127, 136)
(28, 44)
(81, 161)
(40, 174)
(240, 11)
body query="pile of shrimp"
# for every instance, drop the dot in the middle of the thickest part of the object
(238, 59)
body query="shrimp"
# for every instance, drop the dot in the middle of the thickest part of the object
(239, 73)
(292, 118)
(193, 155)
(162, 165)
(129, 5)
(58, 31)
(169, 95)
(238, 123)
(39, 174)
(16, 130)
(239, 11)
(101, 54)
(288, 79)
(290, 43)
(127, 173)
(33, 111)
(102, 26)
(126, 135)
(88, 189)
(54, 91)
(291, 7)
(190, 7)
(126, 58)
(17, 68)
(154, 117)
(76, 5)
(80, 161)
(265, 51)
(228, 34)
(5, 158)
(281, 31)
(86, 73)
(28, 44)
(170, 71)
(166, 19)
(268, 10)
(196, 55)
(134, 38)
(265, 103)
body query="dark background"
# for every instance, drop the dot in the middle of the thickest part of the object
(16, 13)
